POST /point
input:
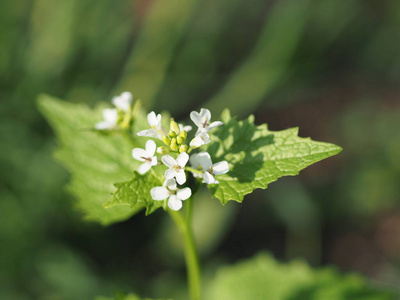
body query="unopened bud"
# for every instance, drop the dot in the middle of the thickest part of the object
(174, 126)
(172, 134)
(183, 134)
(166, 140)
(183, 148)
(179, 140)
(162, 150)
(174, 146)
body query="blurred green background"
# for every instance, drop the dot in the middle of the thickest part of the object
(330, 67)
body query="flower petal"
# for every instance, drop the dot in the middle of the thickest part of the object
(180, 177)
(220, 168)
(187, 128)
(143, 168)
(152, 119)
(214, 124)
(150, 148)
(110, 115)
(205, 116)
(209, 179)
(196, 118)
(150, 133)
(174, 203)
(154, 161)
(182, 159)
(194, 161)
(169, 161)
(169, 174)
(139, 154)
(159, 121)
(103, 125)
(184, 193)
(159, 193)
(170, 184)
(127, 96)
(123, 101)
(204, 160)
(200, 139)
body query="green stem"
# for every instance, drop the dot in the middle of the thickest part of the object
(193, 170)
(191, 257)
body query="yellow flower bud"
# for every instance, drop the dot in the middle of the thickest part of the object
(183, 134)
(174, 126)
(172, 134)
(162, 150)
(166, 140)
(179, 140)
(183, 148)
(174, 146)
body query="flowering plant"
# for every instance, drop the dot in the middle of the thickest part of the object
(149, 161)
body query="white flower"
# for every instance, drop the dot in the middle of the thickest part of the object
(110, 119)
(156, 130)
(146, 155)
(194, 162)
(176, 167)
(202, 120)
(187, 128)
(169, 189)
(200, 139)
(123, 101)
(210, 169)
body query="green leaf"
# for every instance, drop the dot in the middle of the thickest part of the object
(96, 161)
(136, 192)
(262, 277)
(258, 156)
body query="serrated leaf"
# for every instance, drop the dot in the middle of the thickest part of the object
(136, 192)
(96, 161)
(258, 156)
(262, 277)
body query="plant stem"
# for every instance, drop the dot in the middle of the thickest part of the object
(193, 170)
(191, 256)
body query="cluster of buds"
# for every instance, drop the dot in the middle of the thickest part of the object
(175, 151)
(175, 140)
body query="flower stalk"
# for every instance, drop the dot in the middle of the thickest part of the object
(184, 225)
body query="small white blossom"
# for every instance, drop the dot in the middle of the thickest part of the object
(187, 128)
(110, 119)
(156, 130)
(210, 169)
(170, 190)
(176, 167)
(194, 162)
(200, 139)
(123, 101)
(146, 155)
(202, 120)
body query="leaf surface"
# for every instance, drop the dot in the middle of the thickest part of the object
(262, 277)
(95, 160)
(258, 156)
(136, 192)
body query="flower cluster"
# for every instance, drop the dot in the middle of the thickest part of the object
(120, 115)
(175, 150)
(175, 156)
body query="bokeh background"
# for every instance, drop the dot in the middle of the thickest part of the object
(330, 67)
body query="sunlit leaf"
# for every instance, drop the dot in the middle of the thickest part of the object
(258, 156)
(136, 192)
(96, 161)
